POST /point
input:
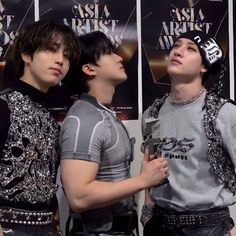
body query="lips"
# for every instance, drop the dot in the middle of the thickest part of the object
(175, 61)
(122, 67)
(56, 71)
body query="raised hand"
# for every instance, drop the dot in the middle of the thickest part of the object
(154, 170)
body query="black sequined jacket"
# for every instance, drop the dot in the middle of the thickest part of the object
(29, 155)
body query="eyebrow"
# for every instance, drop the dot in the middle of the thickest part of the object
(188, 42)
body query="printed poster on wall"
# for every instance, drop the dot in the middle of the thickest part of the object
(118, 22)
(14, 15)
(161, 22)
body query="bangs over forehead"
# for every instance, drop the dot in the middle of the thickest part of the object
(59, 38)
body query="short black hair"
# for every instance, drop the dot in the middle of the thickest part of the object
(39, 36)
(93, 45)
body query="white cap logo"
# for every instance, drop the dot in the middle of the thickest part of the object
(212, 51)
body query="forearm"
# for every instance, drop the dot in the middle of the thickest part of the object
(99, 193)
(87, 192)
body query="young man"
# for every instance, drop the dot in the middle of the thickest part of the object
(97, 151)
(196, 129)
(29, 157)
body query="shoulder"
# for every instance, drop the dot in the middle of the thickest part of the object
(83, 108)
(83, 115)
(227, 111)
(3, 99)
(150, 115)
(154, 109)
(228, 107)
(6, 91)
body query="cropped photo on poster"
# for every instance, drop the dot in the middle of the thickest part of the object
(161, 22)
(15, 14)
(118, 21)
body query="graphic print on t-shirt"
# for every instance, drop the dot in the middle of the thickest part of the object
(177, 149)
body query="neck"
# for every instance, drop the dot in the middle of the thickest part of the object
(33, 83)
(103, 92)
(186, 91)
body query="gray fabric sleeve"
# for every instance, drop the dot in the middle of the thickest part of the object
(81, 140)
(143, 126)
(226, 125)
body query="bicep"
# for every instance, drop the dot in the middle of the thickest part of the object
(76, 174)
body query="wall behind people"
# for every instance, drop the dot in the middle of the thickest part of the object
(129, 101)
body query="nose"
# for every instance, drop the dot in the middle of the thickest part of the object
(119, 58)
(60, 63)
(59, 58)
(178, 51)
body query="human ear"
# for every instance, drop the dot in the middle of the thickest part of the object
(88, 70)
(204, 69)
(26, 58)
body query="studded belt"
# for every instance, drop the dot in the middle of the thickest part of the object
(172, 218)
(25, 217)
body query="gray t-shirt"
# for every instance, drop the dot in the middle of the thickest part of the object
(192, 185)
(92, 132)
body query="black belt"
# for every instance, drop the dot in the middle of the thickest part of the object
(24, 217)
(172, 218)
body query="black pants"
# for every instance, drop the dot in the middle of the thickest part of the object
(123, 225)
(28, 230)
(25, 230)
(155, 228)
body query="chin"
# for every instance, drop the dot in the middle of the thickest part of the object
(124, 79)
(56, 82)
(174, 72)
(119, 81)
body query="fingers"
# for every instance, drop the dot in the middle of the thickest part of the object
(155, 171)
(162, 166)
(152, 157)
(146, 155)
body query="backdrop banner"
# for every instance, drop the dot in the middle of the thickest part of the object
(118, 21)
(14, 15)
(161, 22)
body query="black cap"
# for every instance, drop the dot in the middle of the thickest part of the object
(209, 49)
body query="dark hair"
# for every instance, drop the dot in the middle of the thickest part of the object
(40, 36)
(93, 45)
